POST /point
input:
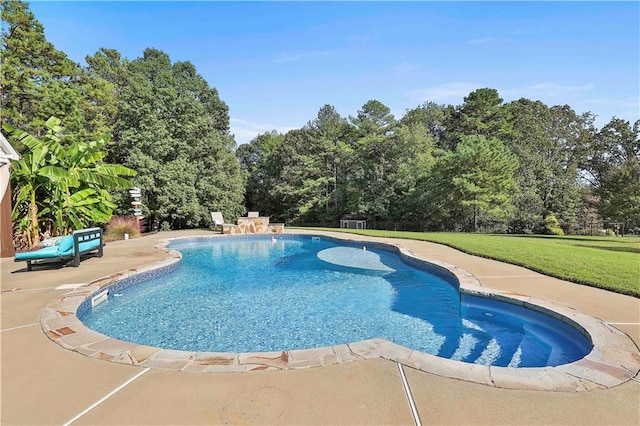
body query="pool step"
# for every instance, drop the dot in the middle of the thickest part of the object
(466, 345)
(516, 358)
(534, 352)
(490, 353)
(478, 347)
(512, 351)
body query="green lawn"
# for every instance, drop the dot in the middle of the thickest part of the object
(605, 262)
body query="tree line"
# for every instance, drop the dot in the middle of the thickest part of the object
(484, 165)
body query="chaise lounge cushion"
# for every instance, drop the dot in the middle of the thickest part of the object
(45, 253)
(65, 248)
(88, 245)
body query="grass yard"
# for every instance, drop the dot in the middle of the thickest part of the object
(606, 262)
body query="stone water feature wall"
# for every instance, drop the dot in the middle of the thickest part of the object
(253, 225)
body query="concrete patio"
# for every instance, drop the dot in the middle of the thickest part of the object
(43, 383)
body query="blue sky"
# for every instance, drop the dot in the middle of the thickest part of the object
(277, 63)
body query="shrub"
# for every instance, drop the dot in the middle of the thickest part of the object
(120, 225)
(165, 226)
(552, 226)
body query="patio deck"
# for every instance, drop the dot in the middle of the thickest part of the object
(43, 383)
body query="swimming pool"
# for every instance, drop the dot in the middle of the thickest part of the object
(251, 294)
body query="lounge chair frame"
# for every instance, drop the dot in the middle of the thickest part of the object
(80, 236)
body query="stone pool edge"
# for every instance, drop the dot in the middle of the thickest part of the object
(614, 359)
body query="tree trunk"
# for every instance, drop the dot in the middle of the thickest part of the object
(475, 217)
(34, 235)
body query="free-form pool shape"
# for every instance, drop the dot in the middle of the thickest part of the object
(253, 294)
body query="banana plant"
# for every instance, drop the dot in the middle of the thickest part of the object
(82, 182)
(28, 179)
(66, 187)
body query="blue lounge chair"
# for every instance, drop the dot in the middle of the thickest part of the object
(70, 247)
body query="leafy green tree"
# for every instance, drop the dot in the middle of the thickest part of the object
(413, 157)
(389, 168)
(569, 134)
(549, 143)
(174, 130)
(62, 186)
(261, 171)
(431, 116)
(529, 119)
(373, 152)
(334, 137)
(613, 165)
(620, 196)
(301, 176)
(371, 193)
(301, 186)
(471, 187)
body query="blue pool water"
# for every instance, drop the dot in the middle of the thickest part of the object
(251, 294)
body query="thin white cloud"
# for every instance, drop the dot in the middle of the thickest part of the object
(359, 40)
(526, 31)
(487, 40)
(405, 68)
(286, 57)
(546, 90)
(443, 93)
(245, 130)
(623, 108)
(629, 105)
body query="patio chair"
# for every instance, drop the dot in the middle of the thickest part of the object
(217, 218)
(71, 247)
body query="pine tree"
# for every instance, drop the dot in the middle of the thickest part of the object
(38, 81)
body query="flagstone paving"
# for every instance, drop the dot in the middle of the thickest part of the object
(46, 383)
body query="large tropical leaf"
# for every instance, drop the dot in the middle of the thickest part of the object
(67, 186)
(54, 172)
(116, 170)
(85, 196)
